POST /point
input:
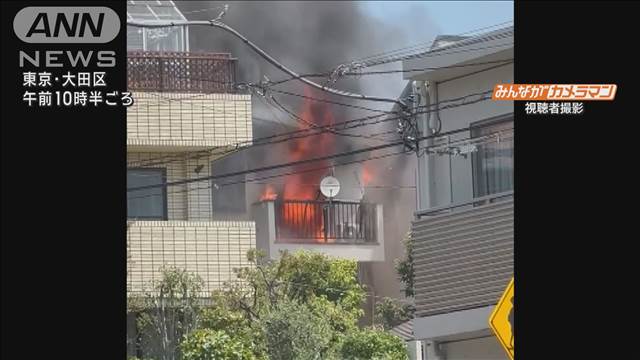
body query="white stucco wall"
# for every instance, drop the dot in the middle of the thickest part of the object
(452, 178)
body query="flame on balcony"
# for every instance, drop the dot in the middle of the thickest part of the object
(367, 174)
(269, 193)
(297, 186)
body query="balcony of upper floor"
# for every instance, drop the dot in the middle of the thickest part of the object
(185, 100)
(343, 229)
(192, 226)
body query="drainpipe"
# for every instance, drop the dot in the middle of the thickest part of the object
(425, 179)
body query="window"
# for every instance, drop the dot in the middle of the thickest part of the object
(229, 199)
(148, 204)
(493, 162)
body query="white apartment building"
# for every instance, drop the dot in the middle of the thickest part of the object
(463, 229)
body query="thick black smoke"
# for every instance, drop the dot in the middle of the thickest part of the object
(312, 37)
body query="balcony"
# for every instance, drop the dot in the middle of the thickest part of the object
(185, 101)
(210, 249)
(348, 230)
(463, 254)
(181, 72)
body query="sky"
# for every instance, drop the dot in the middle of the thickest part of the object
(449, 17)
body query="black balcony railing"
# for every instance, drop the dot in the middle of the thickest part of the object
(181, 72)
(325, 222)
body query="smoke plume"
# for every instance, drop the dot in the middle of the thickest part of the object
(312, 37)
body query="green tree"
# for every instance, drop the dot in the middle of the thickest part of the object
(305, 277)
(167, 312)
(294, 331)
(208, 344)
(404, 267)
(392, 312)
(326, 289)
(303, 306)
(373, 344)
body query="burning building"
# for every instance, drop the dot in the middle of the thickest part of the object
(292, 213)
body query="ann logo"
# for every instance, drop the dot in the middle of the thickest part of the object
(66, 24)
(41, 25)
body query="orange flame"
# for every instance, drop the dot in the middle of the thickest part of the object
(269, 194)
(296, 185)
(367, 175)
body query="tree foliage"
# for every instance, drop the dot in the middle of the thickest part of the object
(294, 331)
(167, 312)
(303, 306)
(207, 344)
(392, 312)
(404, 267)
(373, 344)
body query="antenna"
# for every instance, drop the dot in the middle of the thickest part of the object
(330, 186)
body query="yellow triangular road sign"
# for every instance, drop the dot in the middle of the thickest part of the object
(502, 320)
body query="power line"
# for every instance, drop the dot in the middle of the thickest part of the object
(424, 45)
(218, 24)
(427, 55)
(364, 73)
(296, 163)
(298, 118)
(429, 149)
(330, 101)
(296, 172)
(505, 62)
(422, 53)
(365, 186)
(360, 122)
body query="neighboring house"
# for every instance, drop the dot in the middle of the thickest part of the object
(463, 229)
(186, 115)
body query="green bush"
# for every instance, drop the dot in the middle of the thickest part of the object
(208, 344)
(371, 344)
(294, 331)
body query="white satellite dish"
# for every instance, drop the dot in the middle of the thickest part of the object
(330, 186)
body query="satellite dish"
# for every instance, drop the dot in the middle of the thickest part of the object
(330, 186)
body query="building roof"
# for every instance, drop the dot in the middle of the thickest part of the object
(448, 50)
(448, 42)
(153, 11)
(404, 330)
(444, 40)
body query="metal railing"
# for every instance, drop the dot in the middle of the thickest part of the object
(474, 202)
(181, 72)
(325, 222)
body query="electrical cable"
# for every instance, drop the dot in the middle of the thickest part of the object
(298, 162)
(248, 144)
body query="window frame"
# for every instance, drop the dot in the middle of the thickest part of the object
(165, 198)
(495, 120)
(233, 158)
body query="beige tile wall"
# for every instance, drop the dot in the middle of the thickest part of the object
(174, 119)
(211, 249)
